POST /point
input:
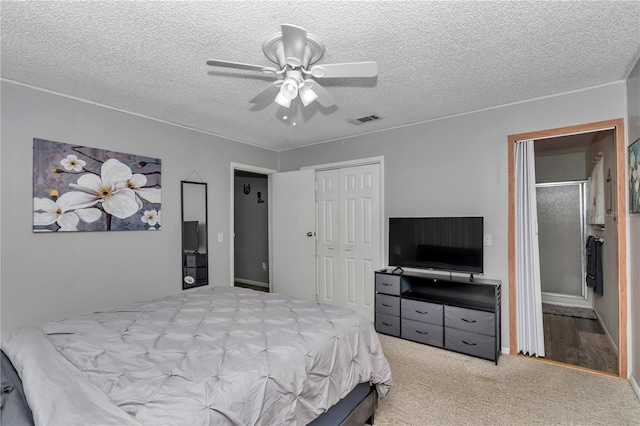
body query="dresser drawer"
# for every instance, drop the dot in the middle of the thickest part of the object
(470, 320)
(466, 342)
(417, 310)
(388, 284)
(386, 304)
(388, 324)
(422, 332)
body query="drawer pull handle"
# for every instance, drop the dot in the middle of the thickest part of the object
(470, 344)
(388, 306)
(388, 325)
(466, 320)
(421, 312)
(388, 285)
(421, 332)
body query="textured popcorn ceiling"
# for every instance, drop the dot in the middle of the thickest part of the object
(435, 58)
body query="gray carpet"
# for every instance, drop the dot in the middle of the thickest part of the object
(568, 311)
(435, 387)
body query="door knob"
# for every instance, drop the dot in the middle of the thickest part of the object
(309, 234)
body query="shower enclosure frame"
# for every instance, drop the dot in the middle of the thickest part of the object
(584, 299)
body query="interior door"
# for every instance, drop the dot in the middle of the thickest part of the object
(328, 239)
(293, 226)
(359, 236)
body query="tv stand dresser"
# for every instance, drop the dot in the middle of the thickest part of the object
(443, 311)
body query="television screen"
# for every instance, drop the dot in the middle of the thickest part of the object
(444, 243)
(190, 240)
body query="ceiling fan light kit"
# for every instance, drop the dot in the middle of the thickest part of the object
(294, 50)
(307, 95)
(282, 100)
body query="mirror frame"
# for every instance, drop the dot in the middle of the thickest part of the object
(194, 263)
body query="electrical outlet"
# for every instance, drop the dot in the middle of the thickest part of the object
(487, 240)
(264, 266)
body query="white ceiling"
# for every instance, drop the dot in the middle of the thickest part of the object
(435, 59)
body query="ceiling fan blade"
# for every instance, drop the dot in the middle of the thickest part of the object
(324, 97)
(294, 41)
(267, 95)
(346, 70)
(238, 65)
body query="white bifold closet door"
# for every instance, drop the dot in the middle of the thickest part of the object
(348, 236)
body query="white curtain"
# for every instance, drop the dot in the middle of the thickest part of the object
(528, 291)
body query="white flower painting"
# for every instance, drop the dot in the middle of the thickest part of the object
(77, 188)
(634, 177)
(73, 163)
(63, 212)
(152, 218)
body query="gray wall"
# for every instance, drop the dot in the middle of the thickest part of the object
(47, 277)
(251, 223)
(606, 305)
(633, 133)
(558, 167)
(454, 166)
(458, 166)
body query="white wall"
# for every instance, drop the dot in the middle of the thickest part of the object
(49, 276)
(458, 166)
(633, 133)
(606, 304)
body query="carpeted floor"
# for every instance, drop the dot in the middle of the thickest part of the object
(435, 387)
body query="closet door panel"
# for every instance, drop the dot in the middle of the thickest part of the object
(360, 234)
(328, 237)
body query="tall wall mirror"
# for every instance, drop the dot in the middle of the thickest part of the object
(195, 244)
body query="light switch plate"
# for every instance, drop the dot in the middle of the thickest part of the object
(220, 237)
(487, 240)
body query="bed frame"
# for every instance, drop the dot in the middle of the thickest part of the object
(14, 409)
(357, 408)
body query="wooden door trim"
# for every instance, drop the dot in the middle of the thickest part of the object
(573, 367)
(617, 126)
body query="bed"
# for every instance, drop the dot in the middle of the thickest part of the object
(216, 355)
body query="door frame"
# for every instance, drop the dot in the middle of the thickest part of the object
(355, 163)
(617, 125)
(254, 169)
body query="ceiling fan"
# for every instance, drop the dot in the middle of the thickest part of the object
(295, 52)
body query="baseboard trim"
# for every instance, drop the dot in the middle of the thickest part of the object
(251, 282)
(634, 385)
(606, 331)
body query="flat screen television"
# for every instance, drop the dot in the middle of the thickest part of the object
(441, 243)
(190, 236)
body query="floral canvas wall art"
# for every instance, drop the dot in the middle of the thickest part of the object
(634, 177)
(77, 188)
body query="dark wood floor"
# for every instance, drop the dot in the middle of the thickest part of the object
(578, 341)
(252, 287)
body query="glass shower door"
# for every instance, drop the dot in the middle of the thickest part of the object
(562, 237)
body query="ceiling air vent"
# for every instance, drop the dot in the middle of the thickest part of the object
(364, 119)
